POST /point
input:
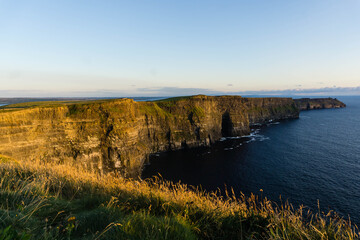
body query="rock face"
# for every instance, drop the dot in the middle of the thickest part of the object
(318, 103)
(118, 135)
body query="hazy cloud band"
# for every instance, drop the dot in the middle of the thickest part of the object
(178, 91)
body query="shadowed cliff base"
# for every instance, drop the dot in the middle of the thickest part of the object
(118, 135)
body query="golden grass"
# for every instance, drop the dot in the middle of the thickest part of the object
(136, 208)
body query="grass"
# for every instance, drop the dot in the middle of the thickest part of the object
(42, 201)
(73, 103)
(172, 99)
(48, 104)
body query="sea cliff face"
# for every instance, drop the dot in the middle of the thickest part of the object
(318, 103)
(118, 135)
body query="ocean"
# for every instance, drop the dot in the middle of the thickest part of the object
(306, 160)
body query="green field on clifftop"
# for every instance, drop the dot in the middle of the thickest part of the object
(19, 106)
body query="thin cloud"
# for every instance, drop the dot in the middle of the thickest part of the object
(310, 91)
(174, 91)
(178, 91)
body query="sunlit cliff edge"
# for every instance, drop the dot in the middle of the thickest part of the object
(118, 135)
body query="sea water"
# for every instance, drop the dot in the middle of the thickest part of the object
(306, 160)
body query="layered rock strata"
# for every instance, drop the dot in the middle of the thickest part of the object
(118, 135)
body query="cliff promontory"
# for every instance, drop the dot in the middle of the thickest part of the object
(118, 135)
(318, 103)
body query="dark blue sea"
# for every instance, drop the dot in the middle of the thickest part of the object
(315, 157)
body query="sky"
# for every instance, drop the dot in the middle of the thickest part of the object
(117, 48)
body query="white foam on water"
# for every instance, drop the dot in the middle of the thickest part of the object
(263, 138)
(238, 137)
(252, 137)
(226, 149)
(255, 136)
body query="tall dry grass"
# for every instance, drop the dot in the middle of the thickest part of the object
(43, 201)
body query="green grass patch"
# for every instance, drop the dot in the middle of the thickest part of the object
(50, 104)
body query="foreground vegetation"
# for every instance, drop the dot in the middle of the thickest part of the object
(40, 201)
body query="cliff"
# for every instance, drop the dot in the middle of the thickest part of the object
(318, 103)
(118, 135)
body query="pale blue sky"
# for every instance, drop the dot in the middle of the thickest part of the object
(134, 48)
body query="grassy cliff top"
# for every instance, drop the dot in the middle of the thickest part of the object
(47, 104)
(25, 105)
(74, 106)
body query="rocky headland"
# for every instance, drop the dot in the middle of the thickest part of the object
(118, 135)
(318, 103)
